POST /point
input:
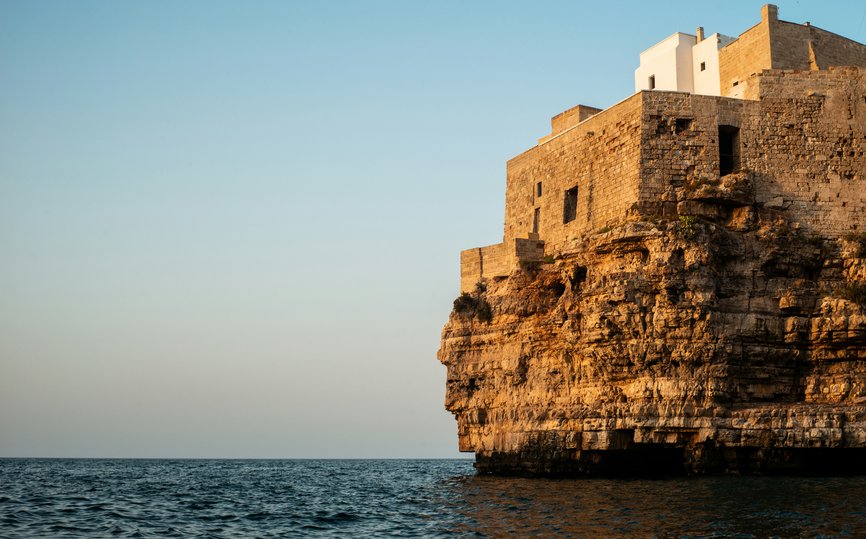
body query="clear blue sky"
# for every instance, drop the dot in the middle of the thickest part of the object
(232, 229)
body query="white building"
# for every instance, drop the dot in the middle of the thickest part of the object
(682, 63)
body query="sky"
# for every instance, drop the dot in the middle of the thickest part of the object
(232, 229)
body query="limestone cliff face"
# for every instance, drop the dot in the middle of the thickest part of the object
(714, 336)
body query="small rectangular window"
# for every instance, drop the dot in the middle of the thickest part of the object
(569, 206)
(682, 124)
(729, 149)
(652, 82)
(703, 66)
(536, 217)
(538, 189)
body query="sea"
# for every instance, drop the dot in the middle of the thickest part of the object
(405, 498)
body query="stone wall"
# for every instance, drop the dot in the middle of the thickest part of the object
(599, 157)
(679, 142)
(569, 118)
(483, 263)
(499, 260)
(809, 137)
(528, 249)
(749, 54)
(775, 44)
(804, 47)
(802, 145)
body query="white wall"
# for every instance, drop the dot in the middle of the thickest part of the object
(670, 61)
(676, 64)
(685, 80)
(707, 82)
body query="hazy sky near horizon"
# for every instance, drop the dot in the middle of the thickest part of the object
(232, 229)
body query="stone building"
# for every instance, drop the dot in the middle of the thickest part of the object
(780, 109)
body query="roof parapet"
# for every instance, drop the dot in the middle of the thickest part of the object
(769, 12)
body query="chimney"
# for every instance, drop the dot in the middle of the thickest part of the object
(700, 33)
(769, 13)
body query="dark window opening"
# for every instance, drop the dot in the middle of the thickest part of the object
(729, 149)
(682, 124)
(703, 66)
(735, 83)
(569, 206)
(536, 217)
(538, 189)
(652, 82)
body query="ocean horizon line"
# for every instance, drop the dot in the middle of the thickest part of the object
(240, 458)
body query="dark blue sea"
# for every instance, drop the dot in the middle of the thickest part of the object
(405, 498)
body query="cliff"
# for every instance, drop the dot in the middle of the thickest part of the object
(714, 336)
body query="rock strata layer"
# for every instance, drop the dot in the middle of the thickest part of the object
(712, 337)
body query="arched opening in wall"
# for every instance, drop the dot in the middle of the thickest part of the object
(729, 149)
(569, 206)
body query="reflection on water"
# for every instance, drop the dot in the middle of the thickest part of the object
(679, 507)
(404, 498)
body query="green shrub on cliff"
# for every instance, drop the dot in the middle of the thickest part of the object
(687, 227)
(469, 305)
(464, 303)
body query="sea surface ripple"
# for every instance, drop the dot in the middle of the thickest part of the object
(404, 498)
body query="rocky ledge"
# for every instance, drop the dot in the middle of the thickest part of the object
(712, 337)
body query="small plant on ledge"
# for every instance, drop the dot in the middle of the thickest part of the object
(687, 227)
(464, 303)
(474, 305)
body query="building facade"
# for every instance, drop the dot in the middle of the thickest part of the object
(781, 108)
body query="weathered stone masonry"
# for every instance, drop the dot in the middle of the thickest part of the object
(799, 130)
(801, 143)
